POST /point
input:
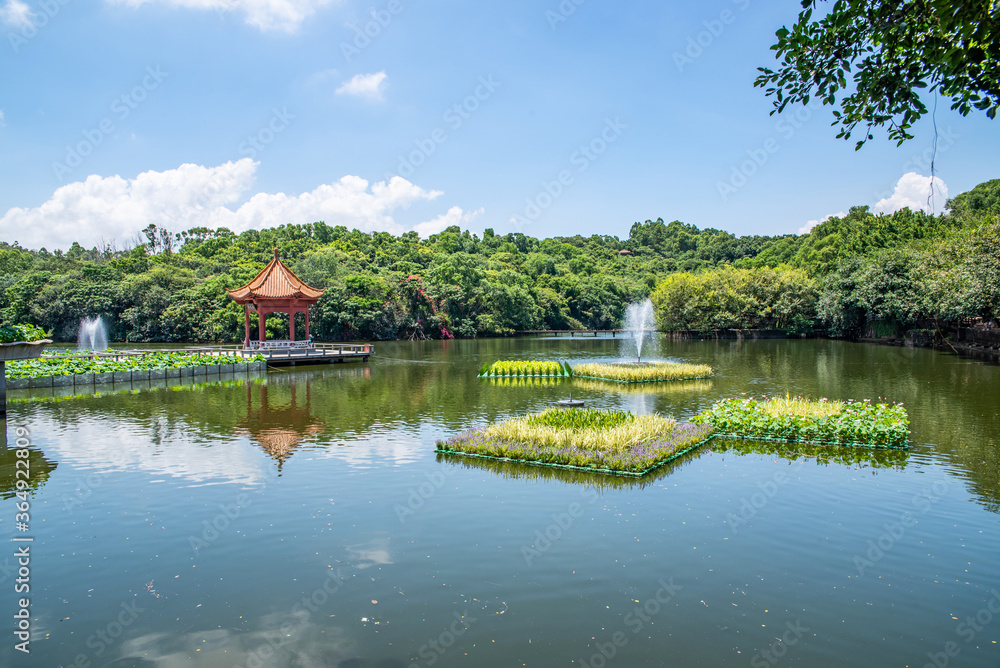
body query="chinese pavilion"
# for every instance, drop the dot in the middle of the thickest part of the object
(276, 289)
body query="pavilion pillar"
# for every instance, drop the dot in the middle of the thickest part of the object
(246, 320)
(261, 324)
(307, 323)
(291, 324)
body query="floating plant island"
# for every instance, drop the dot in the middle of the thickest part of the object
(643, 372)
(525, 369)
(621, 443)
(75, 362)
(612, 442)
(822, 422)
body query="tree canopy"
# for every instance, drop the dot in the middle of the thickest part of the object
(844, 275)
(892, 50)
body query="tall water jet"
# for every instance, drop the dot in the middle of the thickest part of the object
(640, 323)
(93, 335)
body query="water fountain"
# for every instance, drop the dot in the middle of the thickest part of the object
(93, 334)
(640, 322)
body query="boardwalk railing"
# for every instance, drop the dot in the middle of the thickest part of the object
(278, 349)
(278, 344)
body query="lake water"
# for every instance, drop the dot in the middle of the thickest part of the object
(305, 521)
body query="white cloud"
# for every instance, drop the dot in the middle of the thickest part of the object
(455, 216)
(913, 192)
(284, 15)
(16, 13)
(3, 121)
(369, 86)
(807, 228)
(115, 209)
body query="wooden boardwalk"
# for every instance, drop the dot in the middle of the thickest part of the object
(292, 353)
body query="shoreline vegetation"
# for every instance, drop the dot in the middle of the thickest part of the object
(620, 443)
(855, 276)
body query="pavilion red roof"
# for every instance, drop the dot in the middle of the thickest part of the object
(276, 281)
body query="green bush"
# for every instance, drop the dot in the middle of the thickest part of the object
(21, 332)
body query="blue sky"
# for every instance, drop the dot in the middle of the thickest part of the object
(549, 117)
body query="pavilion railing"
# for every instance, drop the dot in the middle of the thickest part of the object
(284, 348)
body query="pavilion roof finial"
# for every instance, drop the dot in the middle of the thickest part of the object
(275, 281)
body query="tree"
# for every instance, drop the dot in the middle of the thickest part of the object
(982, 200)
(895, 49)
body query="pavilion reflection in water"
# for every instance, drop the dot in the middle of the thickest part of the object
(276, 422)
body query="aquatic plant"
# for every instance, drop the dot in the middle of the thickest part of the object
(603, 441)
(802, 407)
(643, 372)
(21, 332)
(68, 364)
(675, 387)
(526, 381)
(521, 368)
(820, 422)
(874, 458)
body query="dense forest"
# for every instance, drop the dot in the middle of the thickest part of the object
(848, 277)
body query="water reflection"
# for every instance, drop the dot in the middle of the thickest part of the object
(526, 381)
(353, 442)
(822, 455)
(873, 458)
(667, 388)
(598, 481)
(393, 409)
(276, 424)
(40, 468)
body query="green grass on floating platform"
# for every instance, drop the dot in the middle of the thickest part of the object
(620, 443)
(643, 372)
(610, 442)
(525, 369)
